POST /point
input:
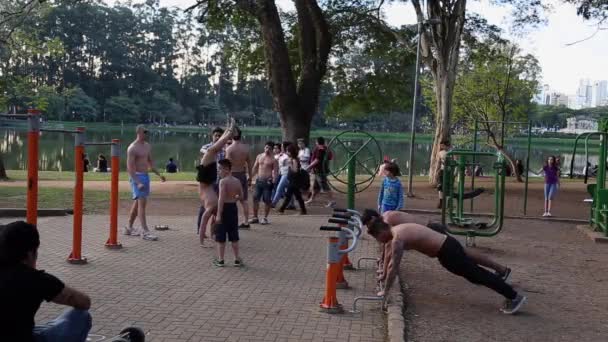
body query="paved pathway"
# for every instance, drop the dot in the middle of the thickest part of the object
(171, 290)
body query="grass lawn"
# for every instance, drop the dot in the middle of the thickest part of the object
(95, 201)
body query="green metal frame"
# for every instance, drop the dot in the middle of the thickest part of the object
(351, 183)
(457, 216)
(527, 171)
(598, 217)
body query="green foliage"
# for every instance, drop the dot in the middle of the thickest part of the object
(121, 108)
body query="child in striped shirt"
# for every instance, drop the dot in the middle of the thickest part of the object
(391, 191)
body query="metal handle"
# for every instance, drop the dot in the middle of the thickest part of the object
(345, 216)
(331, 229)
(338, 221)
(353, 244)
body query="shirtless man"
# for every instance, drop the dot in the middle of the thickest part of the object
(267, 169)
(449, 253)
(139, 161)
(238, 154)
(226, 223)
(393, 218)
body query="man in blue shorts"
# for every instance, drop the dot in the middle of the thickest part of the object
(267, 170)
(139, 161)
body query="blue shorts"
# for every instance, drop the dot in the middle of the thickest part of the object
(140, 193)
(263, 191)
(550, 191)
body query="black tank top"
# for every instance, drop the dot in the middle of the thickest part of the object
(207, 174)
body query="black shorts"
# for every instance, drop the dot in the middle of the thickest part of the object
(263, 191)
(230, 224)
(321, 182)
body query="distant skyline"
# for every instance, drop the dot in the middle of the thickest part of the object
(562, 66)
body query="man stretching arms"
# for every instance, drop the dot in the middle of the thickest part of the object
(447, 250)
(266, 168)
(139, 161)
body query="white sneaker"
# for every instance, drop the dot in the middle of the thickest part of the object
(330, 204)
(264, 221)
(549, 214)
(545, 214)
(128, 231)
(146, 235)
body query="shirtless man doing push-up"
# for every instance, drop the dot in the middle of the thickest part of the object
(447, 250)
(394, 217)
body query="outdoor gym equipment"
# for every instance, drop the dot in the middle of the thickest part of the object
(528, 126)
(33, 118)
(358, 155)
(457, 216)
(598, 218)
(335, 258)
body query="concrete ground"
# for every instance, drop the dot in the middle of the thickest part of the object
(170, 289)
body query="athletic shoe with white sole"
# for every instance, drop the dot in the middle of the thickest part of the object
(511, 306)
(146, 235)
(264, 221)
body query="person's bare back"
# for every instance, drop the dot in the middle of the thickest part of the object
(419, 238)
(138, 156)
(238, 154)
(394, 218)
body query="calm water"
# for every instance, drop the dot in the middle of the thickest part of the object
(56, 150)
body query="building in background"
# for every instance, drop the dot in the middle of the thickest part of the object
(581, 124)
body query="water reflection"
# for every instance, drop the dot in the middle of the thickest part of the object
(56, 150)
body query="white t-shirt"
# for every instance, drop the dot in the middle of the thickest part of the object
(283, 164)
(304, 157)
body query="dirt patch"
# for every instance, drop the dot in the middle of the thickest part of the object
(563, 274)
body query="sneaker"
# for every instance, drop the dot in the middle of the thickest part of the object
(291, 207)
(254, 220)
(264, 221)
(148, 236)
(549, 214)
(128, 231)
(545, 214)
(244, 226)
(512, 306)
(238, 262)
(330, 204)
(504, 276)
(218, 263)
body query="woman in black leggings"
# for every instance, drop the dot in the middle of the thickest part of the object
(295, 181)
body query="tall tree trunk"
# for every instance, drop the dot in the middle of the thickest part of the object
(443, 95)
(3, 175)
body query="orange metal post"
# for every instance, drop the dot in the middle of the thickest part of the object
(330, 300)
(112, 242)
(33, 137)
(76, 256)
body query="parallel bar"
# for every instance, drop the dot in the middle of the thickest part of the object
(60, 130)
(33, 137)
(99, 144)
(76, 255)
(527, 168)
(112, 242)
(15, 115)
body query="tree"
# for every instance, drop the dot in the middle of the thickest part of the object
(495, 83)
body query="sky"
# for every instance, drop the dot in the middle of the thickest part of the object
(562, 66)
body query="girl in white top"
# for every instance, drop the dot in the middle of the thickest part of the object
(303, 154)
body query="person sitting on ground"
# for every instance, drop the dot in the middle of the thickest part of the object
(171, 167)
(23, 288)
(227, 221)
(390, 196)
(393, 218)
(449, 253)
(102, 164)
(86, 161)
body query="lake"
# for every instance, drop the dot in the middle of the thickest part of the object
(57, 150)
